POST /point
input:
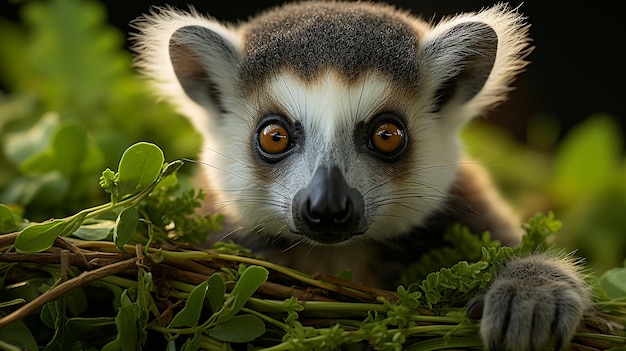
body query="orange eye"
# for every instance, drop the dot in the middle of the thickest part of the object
(387, 138)
(274, 139)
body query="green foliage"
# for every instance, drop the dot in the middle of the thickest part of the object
(581, 178)
(74, 106)
(214, 317)
(459, 245)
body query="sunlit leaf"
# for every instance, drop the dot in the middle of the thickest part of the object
(38, 237)
(139, 167)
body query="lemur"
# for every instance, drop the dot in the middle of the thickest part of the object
(331, 142)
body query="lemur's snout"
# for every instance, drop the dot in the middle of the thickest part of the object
(328, 210)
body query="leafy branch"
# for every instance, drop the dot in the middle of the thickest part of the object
(213, 298)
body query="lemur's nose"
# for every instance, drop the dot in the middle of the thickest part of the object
(329, 205)
(331, 210)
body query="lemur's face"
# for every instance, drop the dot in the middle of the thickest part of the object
(330, 160)
(326, 122)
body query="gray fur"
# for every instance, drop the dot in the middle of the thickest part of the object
(309, 37)
(534, 300)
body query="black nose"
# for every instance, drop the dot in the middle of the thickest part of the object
(329, 209)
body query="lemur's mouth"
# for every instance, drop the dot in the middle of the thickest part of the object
(328, 210)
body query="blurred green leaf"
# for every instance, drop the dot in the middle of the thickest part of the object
(20, 146)
(65, 153)
(74, 54)
(8, 222)
(587, 160)
(613, 282)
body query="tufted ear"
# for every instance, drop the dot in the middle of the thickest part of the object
(189, 57)
(468, 61)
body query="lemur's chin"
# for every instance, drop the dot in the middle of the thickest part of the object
(331, 238)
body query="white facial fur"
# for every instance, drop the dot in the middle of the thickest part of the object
(329, 110)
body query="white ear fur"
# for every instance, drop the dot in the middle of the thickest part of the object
(470, 59)
(188, 57)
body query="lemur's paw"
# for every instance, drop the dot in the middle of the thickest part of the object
(533, 302)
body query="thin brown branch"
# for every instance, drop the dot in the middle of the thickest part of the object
(348, 288)
(61, 289)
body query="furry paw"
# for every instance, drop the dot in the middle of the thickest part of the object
(534, 301)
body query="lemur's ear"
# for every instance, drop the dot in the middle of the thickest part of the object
(205, 63)
(188, 56)
(468, 61)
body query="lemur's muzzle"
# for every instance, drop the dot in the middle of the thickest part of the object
(328, 210)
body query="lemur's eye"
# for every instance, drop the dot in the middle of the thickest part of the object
(384, 137)
(387, 138)
(274, 139)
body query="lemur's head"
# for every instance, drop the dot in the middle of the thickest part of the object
(331, 121)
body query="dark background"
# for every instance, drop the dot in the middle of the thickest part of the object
(576, 69)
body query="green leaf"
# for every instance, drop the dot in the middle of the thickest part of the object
(244, 328)
(73, 223)
(125, 226)
(8, 223)
(44, 190)
(192, 344)
(86, 323)
(65, 153)
(217, 288)
(99, 230)
(613, 282)
(39, 237)
(190, 314)
(18, 335)
(587, 159)
(126, 339)
(139, 167)
(20, 146)
(72, 54)
(248, 283)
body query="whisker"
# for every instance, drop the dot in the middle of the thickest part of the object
(235, 175)
(296, 243)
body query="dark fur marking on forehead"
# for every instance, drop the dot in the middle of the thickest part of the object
(308, 38)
